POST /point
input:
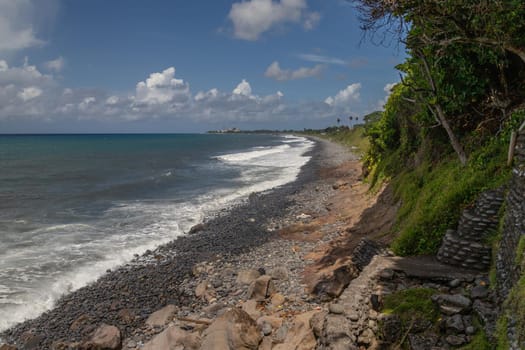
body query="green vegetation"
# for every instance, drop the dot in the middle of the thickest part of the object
(411, 305)
(349, 137)
(433, 195)
(478, 342)
(443, 135)
(520, 251)
(514, 307)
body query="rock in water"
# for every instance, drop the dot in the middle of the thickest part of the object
(234, 329)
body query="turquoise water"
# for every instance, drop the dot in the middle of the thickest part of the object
(72, 206)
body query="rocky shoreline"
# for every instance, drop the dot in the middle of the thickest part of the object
(302, 267)
(240, 238)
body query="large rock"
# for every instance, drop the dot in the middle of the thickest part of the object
(161, 317)
(106, 337)
(451, 304)
(261, 288)
(173, 337)
(300, 336)
(331, 286)
(250, 307)
(233, 330)
(7, 347)
(337, 329)
(246, 277)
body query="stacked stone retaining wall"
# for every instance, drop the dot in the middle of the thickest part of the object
(466, 246)
(507, 270)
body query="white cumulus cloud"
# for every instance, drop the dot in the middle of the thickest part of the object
(253, 17)
(346, 96)
(244, 89)
(275, 71)
(162, 87)
(30, 93)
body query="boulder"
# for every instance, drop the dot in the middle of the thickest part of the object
(300, 336)
(161, 317)
(455, 324)
(201, 288)
(106, 337)
(456, 340)
(246, 277)
(451, 304)
(7, 347)
(278, 299)
(197, 228)
(250, 307)
(331, 286)
(234, 329)
(31, 340)
(336, 308)
(173, 337)
(317, 323)
(337, 327)
(261, 288)
(275, 322)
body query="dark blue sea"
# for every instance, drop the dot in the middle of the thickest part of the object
(73, 206)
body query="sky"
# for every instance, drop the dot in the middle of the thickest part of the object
(104, 66)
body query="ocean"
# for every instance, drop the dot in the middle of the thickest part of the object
(74, 206)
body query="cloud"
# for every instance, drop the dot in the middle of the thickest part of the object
(345, 97)
(55, 65)
(17, 18)
(29, 93)
(321, 59)
(162, 88)
(253, 17)
(388, 89)
(244, 89)
(274, 71)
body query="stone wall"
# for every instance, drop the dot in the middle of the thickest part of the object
(508, 272)
(466, 246)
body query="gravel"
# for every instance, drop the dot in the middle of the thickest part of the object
(238, 238)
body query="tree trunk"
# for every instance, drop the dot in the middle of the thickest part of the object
(453, 139)
(456, 145)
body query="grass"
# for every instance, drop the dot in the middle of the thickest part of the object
(478, 342)
(433, 195)
(352, 138)
(411, 304)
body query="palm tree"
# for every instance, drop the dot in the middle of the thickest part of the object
(338, 121)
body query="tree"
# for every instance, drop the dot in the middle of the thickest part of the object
(459, 55)
(495, 23)
(338, 121)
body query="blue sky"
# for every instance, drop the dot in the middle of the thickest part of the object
(186, 66)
